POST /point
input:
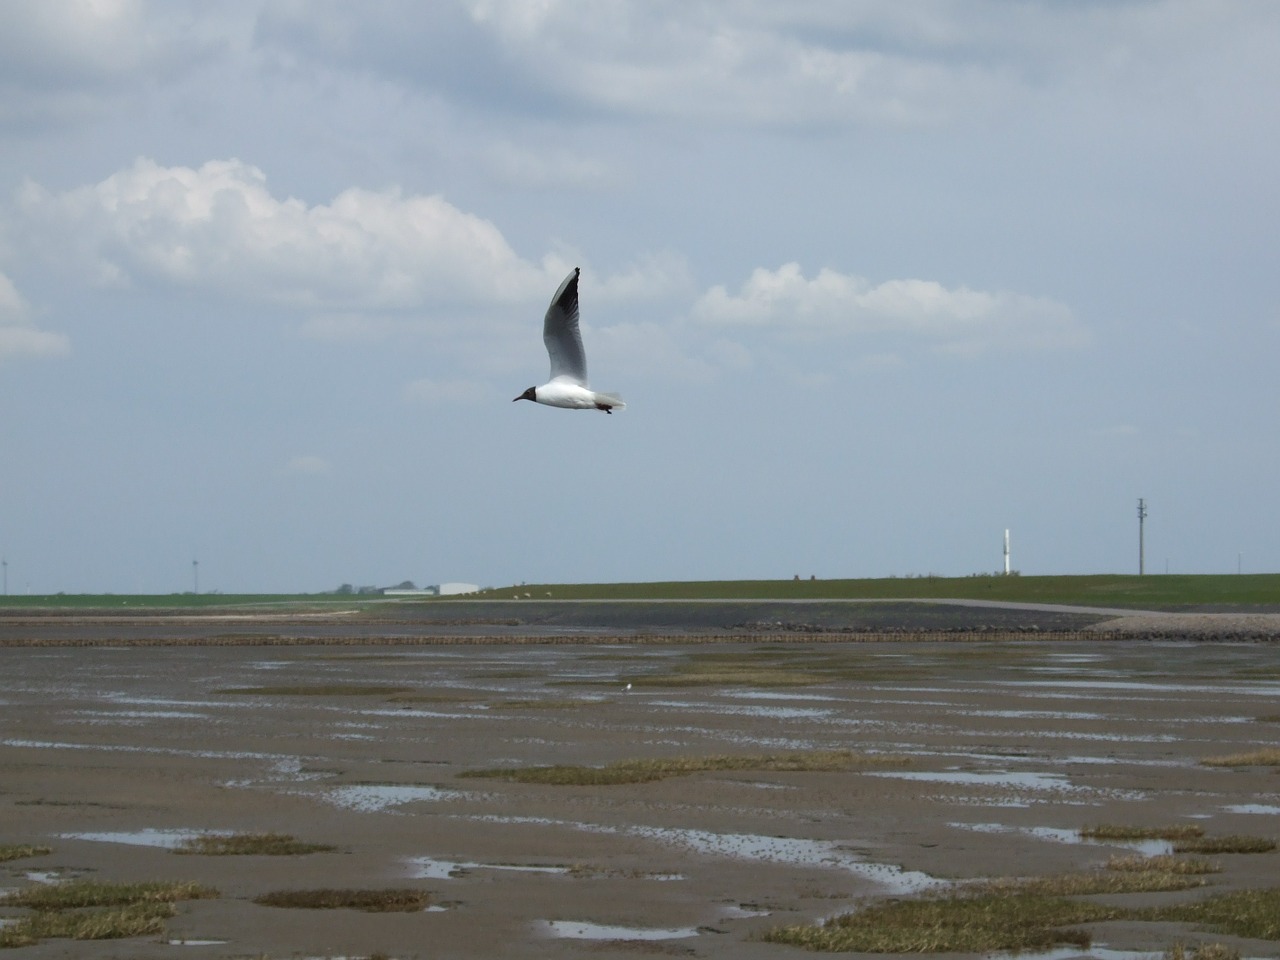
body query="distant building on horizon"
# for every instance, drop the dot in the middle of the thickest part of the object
(453, 589)
(407, 589)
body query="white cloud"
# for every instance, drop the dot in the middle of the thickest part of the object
(219, 227)
(830, 304)
(366, 265)
(61, 59)
(17, 336)
(654, 277)
(819, 62)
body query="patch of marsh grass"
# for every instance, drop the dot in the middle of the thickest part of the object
(320, 690)
(996, 915)
(94, 910)
(22, 851)
(1146, 879)
(1266, 757)
(404, 900)
(130, 920)
(43, 802)
(1114, 831)
(1228, 844)
(980, 923)
(1242, 913)
(1192, 866)
(250, 844)
(75, 894)
(645, 771)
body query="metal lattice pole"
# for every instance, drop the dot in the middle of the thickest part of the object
(1142, 516)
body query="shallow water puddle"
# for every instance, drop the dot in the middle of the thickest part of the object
(417, 713)
(1032, 714)
(583, 930)
(376, 797)
(743, 911)
(168, 839)
(140, 701)
(1261, 808)
(1027, 780)
(784, 851)
(1148, 848)
(281, 763)
(1071, 953)
(121, 716)
(1247, 689)
(748, 710)
(429, 868)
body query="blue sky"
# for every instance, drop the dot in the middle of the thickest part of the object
(877, 281)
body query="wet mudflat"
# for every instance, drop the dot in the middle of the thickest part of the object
(112, 756)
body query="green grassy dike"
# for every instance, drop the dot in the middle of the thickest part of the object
(1097, 590)
(1155, 592)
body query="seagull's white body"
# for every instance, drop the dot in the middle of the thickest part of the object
(568, 384)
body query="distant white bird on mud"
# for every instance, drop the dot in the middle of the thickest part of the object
(568, 384)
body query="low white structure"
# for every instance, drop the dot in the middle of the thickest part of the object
(452, 589)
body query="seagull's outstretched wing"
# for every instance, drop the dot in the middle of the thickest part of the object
(560, 333)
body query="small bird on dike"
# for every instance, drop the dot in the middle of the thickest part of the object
(568, 384)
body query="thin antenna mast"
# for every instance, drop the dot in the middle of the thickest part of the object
(1142, 516)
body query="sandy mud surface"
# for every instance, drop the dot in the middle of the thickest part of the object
(110, 755)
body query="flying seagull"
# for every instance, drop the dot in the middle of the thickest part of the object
(568, 384)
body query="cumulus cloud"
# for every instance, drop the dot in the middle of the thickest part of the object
(60, 58)
(17, 335)
(812, 63)
(788, 65)
(350, 263)
(219, 227)
(955, 319)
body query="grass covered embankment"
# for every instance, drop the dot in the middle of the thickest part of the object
(1163, 592)
(1166, 592)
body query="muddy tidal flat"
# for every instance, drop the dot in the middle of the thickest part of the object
(976, 759)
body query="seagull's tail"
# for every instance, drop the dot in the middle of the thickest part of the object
(610, 401)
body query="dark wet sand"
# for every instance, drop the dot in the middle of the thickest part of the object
(1016, 744)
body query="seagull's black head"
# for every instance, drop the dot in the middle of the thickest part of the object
(527, 395)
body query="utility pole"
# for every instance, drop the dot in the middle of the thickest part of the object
(195, 576)
(5, 564)
(1142, 516)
